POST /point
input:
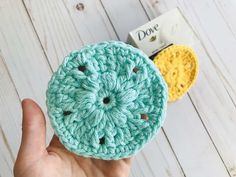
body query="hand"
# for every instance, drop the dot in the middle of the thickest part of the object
(36, 160)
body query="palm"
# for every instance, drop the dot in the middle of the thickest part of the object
(56, 161)
(84, 167)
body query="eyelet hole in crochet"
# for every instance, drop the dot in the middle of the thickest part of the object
(82, 68)
(102, 140)
(66, 113)
(135, 69)
(106, 100)
(144, 116)
(174, 73)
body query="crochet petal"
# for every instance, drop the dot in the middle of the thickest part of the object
(127, 96)
(137, 124)
(110, 132)
(117, 117)
(119, 137)
(90, 85)
(95, 117)
(109, 80)
(94, 139)
(83, 97)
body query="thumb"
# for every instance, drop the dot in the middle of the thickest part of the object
(33, 142)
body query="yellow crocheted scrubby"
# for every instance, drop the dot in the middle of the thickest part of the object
(179, 66)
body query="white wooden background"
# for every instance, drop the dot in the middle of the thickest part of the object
(199, 135)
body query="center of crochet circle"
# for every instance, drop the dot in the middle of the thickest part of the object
(106, 100)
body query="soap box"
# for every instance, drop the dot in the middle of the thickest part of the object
(161, 32)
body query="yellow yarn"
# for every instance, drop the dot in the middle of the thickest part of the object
(179, 66)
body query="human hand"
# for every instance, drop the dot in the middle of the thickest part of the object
(36, 160)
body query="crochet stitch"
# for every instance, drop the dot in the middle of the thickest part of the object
(106, 100)
(179, 66)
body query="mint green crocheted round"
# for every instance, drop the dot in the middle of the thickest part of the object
(106, 100)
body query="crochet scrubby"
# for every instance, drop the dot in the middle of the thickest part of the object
(106, 100)
(179, 66)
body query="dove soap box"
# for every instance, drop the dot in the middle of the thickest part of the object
(161, 32)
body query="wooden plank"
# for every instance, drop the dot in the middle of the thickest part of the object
(157, 153)
(71, 28)
(208, 165)
(54, 28)
(191, 142)
(120, 13)
(214, 95)
(227, 10)
(6, 161)
(10, 111)
(217, 112)
(218, 38)
(90, 20)
(23, 54)
(91, 17)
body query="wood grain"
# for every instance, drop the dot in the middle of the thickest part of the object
(198, 138)
(56, 32)
(23, 56)
(10, 120)
(6, 161)
(218, 38)
(121, 12)
(156, 159)
(92, 23)
(61, 27)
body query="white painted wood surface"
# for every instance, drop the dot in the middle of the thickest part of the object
(199, 136)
